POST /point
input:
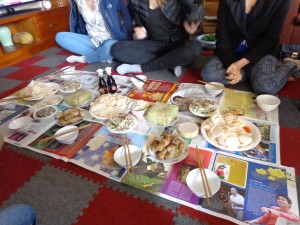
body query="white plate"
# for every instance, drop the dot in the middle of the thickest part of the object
(188, 92)
(55, 88)
(255, 135)
(72, 123)
(135, 152)
(116, 131)
(199, 113)
(181, 157)
(48, 99)
(194, 182)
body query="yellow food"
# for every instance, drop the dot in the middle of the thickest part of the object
(162, 114)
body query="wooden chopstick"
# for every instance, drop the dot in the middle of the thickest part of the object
(63, 133)
(203, 177)
(15, 98)
(75, 73)
(214, 85)
(128, 152)
(126, 159)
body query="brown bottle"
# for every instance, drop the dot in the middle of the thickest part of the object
(102, 83)
(111, 83)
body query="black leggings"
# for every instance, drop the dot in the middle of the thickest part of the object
(156, 55)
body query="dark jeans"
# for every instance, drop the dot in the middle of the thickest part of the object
(268, 76)
(156, 55)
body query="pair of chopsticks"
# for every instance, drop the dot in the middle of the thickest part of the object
(205, 182)
(128, 159)
(15, 98)
(214, 85)
(63, 133)
(137, 78)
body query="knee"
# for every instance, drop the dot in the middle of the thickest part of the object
(110, 42)
(213, 71)
(18, 214)
(59, 37)
(193, 49)
(116, 49)
(264, 88)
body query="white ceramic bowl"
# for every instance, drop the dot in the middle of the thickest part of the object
(194, 182)
(267, 102)
(67, 138)
(71, 91)
(138, 83)
(213, 89)
(206, 44)
(52, 100)
(8, 104)
(67, 77)
(139, 107)
(44, 109)
(135, 152)
(21, 124)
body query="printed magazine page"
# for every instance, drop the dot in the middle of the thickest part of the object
(8, 114)
(37, 128)
(156, 91)
(97, 154)
(245, 106)
(167, 180)
(63, 151)
(175, 185)
(253, 191)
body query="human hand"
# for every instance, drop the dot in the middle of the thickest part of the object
(234, 73)
(140, 32)
(191, 28)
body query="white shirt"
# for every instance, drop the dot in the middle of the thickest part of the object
(95, 24)
(238, 199)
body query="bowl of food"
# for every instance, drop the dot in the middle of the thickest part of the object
(267, 102)
(135, 153)
(52, 100)
(139, 107)
(214, 88)
(45, 113)
(70, 86)
(68, 138)
(137, 82)
(8, 104)
(21, 124)
(207, 41)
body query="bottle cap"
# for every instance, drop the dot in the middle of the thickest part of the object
(108, 70)
(100, 72)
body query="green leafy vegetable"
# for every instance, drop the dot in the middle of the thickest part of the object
(209, 37)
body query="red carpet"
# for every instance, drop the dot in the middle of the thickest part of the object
(15, 170)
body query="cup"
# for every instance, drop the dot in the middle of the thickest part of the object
(5, 36)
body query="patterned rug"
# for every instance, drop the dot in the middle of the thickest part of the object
(63, 193)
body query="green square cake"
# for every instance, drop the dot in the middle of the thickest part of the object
(162, 114)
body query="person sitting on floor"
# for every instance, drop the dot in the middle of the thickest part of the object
(18, 214)
(162, 30)
(247, 35)
(95, 26)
